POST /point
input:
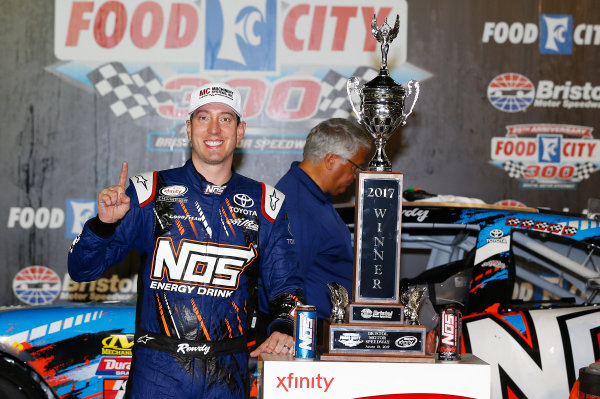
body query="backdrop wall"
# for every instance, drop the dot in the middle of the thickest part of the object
(509, 104)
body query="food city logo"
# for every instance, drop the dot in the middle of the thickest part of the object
(513, 92)
(40, 218)
(555, 32)
(547, 155)
(222, 35)
(78, 211)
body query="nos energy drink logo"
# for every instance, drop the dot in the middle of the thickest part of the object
(556, 33)
(247, 42)
(511, 92)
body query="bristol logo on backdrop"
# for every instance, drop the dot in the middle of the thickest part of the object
(78, 212)
(36, 285)
(511, 92)
(247, 42)
(556, 34)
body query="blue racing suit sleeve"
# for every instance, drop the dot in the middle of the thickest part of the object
(280, 275)
(102, 245)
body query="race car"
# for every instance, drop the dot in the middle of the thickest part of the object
(525, 279)
(66, 351)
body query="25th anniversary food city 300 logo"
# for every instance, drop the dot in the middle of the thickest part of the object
(545, 155)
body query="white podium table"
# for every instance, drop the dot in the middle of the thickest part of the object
(284, 377)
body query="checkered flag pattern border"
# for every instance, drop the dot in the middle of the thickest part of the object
(583, 171)
(134, 94)
(514, 169)
(334, 94)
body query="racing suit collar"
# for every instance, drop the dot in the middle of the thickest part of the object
(199, 181)
(309, 183)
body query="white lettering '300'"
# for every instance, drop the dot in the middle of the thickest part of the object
(201, 263)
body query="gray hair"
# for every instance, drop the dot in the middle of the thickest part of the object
(337, 136)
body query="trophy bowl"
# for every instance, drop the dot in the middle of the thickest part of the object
(382, 100)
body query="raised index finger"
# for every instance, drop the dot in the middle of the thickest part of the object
(123, 175)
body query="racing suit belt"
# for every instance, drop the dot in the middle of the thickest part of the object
(190, 348)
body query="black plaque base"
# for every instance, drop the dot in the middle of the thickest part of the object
(374, 339)
(376, 313)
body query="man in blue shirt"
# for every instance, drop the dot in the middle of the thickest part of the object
(333, 153)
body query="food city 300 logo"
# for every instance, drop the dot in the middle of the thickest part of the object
(547, 155)
(112, 47)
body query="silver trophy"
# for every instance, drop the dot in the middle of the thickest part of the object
(381, 109)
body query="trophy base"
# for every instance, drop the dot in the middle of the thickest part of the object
(344, 357)
(373, 341)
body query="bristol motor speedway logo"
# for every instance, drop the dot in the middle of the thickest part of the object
(547, 155)
(513, 92)
(36, 285)
(555, 32)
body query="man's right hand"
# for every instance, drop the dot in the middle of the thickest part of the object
(113, 203)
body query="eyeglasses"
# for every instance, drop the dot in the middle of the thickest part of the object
(355, 166)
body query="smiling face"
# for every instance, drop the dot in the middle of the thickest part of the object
(214, 132)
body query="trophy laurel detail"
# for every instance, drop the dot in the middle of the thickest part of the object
(382, 100)
(339, 302)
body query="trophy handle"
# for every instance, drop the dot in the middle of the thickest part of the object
(352, 86)
(410, 85)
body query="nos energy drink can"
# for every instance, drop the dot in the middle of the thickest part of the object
(450, 329)
(305, 332)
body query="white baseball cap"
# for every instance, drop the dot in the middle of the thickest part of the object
(218, 93)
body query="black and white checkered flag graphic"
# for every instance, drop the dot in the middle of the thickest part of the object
(334, 99)
(135, 94)
(583, 171)
(515, 169)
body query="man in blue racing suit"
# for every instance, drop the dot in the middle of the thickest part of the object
(205, 235)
